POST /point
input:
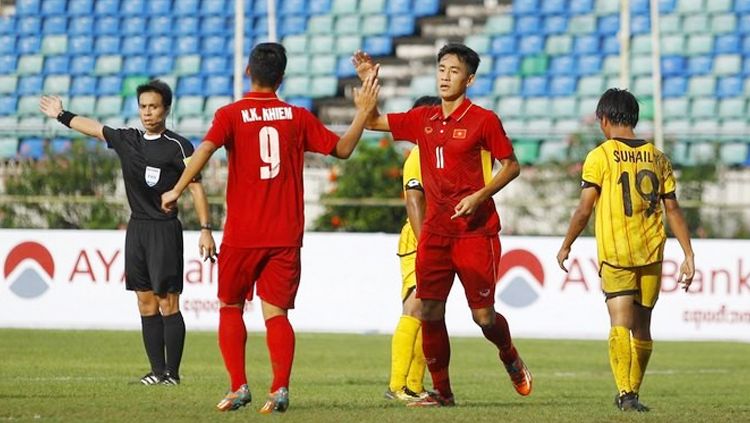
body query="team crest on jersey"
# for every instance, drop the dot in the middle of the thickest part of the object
(152, 175)
(427, 129)
(459, 134)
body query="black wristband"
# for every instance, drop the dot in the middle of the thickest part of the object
(65, 117)
(206, 227)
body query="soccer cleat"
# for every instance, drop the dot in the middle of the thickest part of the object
(151, 379)
(419, 395)
(401, 395)
(628, 401)
(433, 399)
(170, 379)
(277, 401)
(234, 400)
(520, 376)
(641, 406)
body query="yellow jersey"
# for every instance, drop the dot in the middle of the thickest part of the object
(632, 177)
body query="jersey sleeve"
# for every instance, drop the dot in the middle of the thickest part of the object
(412, 171)
(316, 137)
(120, 139)
(494, 138)
(221, 131)
(668, 183)
(592, 174)
(405, 126)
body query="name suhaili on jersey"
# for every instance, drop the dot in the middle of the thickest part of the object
(266, 114)
(633, 156)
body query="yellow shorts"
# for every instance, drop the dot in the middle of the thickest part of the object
(407, 252)
(644, 282)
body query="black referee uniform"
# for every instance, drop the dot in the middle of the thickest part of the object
(151, 165)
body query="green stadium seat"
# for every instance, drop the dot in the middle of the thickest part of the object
(582, 24)
(646, 106)
(56, 84)
(30, 64)
(509, 107)
(732, 108)
(485, 64)
(677, 127)
(499, 24)
(375, 25)
(83, 105)
(187, 65)
(8, 148)
(295, 43)
(539, 125)
(28, 105)
(613, 81)
(514, 126)
(670, 24)
(606, 7)
(675, 108)
(673, 45)
(730, 154)
(347, 25)
(566, 127)
(107, 65)
(698, 44)
(695, 24)
(558, 44)
(611, 65)
(323, 65)
(397, 104)
(189, 105)
(534, 65)
(8, 84)
(320, 24)
(685, 7)
(641, 44)
(372, 7)
(727, 64)
(298, 64)
(703, 152)
(324, 86)
(131, 83)
(114, 121)
(322, 44)
(703, 107)
(724, 23)
(640, 65)
(587, 106)
(643, 86)
(346, 45)
(536, 107)
(54, 44)
(484, 102)
(702, 86)
(506, 85)
(215, 102)
(478, 42)
(553, 151)
(564, 107)
(192, 125)
(590, 85)
(344, 7)
(296, 86)
(31, 125)
(718, 6)
(734, 127)
(526, 149)
(422, 85)
(109, 105)
(678, 153)
(7, 123)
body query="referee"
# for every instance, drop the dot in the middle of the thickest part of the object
(152, 162)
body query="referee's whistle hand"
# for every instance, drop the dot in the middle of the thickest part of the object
(562, 255)
(169, 200)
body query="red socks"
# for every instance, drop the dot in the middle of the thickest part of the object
(499, 334)
(232, 339)
(280, 341)
(437, 353)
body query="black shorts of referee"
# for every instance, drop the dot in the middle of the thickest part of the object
(153, 256)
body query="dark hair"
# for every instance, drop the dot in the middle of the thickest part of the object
(267, 64)
(427, 100)
(620, 107)
(466, 55)
(156, 86)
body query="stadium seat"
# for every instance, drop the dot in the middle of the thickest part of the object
(111, 45)
(378, 45)
(215, 7)
(537, 107)
(56, 64)
(586, 44)
(703, 107)
(534, 65)
(562, 65)
(426, 7)
(189, 45)
(578, 7)
(640, 65)
(699, 44)
(322, 65)
(158, 7)
(31, 148)
(317, 7)
(323, 86)
(133, 44)
(553, 151)
(8, 148)
(344, 67)
(422, 85)
(215, 25)
(555, 25)
(587, 105)
(133, 25)
(499, 24)
(528, 24)
(727, 44)
(27, 45)
(674, 86)
(83, 85)
(503, 45)
(564, 107)
(611, 65)
(558, 44)
(83, 105)
(394, 7)
(640, 44)
(186, 65)
(8, 84)
(54, 25)
(296, 86)
(729, 86)
(732, 108)
(533, 86)
(106, 65)
(109, 85)
(160, 45)
(589, 65)
(218, 85)
(670, 24)
(131, 83)
(401, 25)
(723, 23)
(186, 7)
(54, 44)
(215, 102)
(526, 150)
(28, 105)
(673, 45)
(160, 65)
(727, 64)
(109, 106)
(188, 25)
(109, 7)
(374, 25)
(590, 85)
(695, 24)
(107, 25)
(190, 106)
(8, 25)
(346, 45)
(675, 108)
(510, 107)
(292, 25)
(699, 65)
(9, 62)
(672, 65)
(562, 86)
(215, 65)
(531, 44)
(29, 85)
(81, 25)
(322, 44)
(159, 25)
(192, 124)
(370, 7)
(507, 86)
(347, 25)
(8, 105)
(27, 7)
(189, 85)
(733, 154)
(296, 43)
(482, 86)
(322, 25)
(298, 65)
(643, 86)
(80, 7)
(82, 65)
(295, 7)
(29, 25)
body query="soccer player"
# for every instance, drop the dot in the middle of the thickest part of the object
(265, 140)
(151, 161)
(626, 179)
(460, 230)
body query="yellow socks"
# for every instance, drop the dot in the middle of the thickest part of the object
(402, 349)
(415, 377)
(640, 353)
(620, 357)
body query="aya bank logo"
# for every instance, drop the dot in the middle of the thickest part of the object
(521, 277)
(28, 281)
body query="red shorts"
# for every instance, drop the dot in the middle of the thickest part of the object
(475, 260)
(276, 270)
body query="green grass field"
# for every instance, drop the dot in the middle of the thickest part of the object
(90, 376)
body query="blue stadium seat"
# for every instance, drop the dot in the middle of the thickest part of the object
(8, 25)
(528, 25)
(215, 65)
(82, 65)
(8, 105)
(158, 7)
(215, 25)
(398, 7)
(132, 25)
(55, 25)
(161, 65)
(610, 45)
(80, 7)
(503, 44)
(108, 7)
(80, 44)
(344, 67)
(562, 86)
(31, 44)
(160, 25)
(534, 86)
(666, 6)
(640, 7)
(401, 25)
(29, 25)
(562, 65)
(742, 6)
(107, 25)
(675, 86)
(259, 8)
(746, 67)
(379, 45)
(304, 102)
(27, 7)
(555, 24)
(426, 7)
(746, 47)
(482, 86)
(187, 45)
(186, 8)
(30, 85)
(292, 7)
(107, 45)
(317, 7)
(699, 65)
(727, 44)
(132, 7)
(133, 44)
(56, 65)
(135, 65)
(729, 86)
(32, 148)
(531, 44)
(586, 44)
(292, 25)
(507, 65)
(218, 85)
(589, 65)
(216, 7)
(743, 24)
(160, 45)
(672, 65)
(83, 85)
(553, 7)
(260, 26)
(109, 85)
(7, 44)
(580, 7)
(187, 25)
(130, 107)
(608, 25)
(525, 7)
(190, 85)
(212, 45)
(8, 63)
(60, 145)
(81, 25)
(640, 24)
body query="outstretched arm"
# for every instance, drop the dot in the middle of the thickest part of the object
(509, 171)
(366, 99)
(366, 67)
(578, 223)
(52, 107)
(197, 161)
(679, 227)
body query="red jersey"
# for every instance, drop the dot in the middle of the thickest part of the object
(265, 140)
(451, 160)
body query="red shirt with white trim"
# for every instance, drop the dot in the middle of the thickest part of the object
(451, 160)
(266, 139)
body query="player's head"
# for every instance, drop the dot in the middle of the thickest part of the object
(154, 103)
(457, 68)
(617, 108)
(426, 100)
(267, 65)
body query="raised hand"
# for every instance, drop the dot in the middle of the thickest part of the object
(366, 97)
(364, 65)
(51, 106)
